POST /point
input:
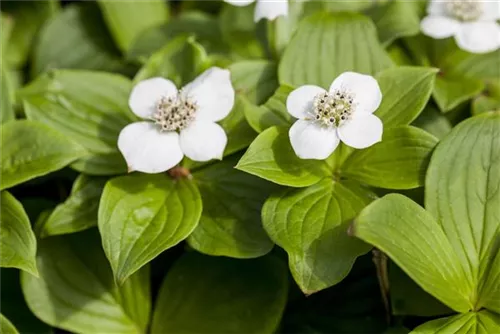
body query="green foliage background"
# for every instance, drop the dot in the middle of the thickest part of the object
(400, 237)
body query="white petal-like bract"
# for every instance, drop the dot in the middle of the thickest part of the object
(439, 26)
(239, 3)
(148, 150)
(147, 93)
(213, 93)
(361, 131)
(312, 141)
(270, 9)
(300, 101)
(479, 37)
(367, 94)
(203, 141)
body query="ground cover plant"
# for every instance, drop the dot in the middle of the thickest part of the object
(250, 166)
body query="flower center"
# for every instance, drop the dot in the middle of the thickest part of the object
(333, 109)
(175, 113)
(465, 10)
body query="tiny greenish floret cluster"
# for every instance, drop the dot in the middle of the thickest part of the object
(465, 10)
(175, 113)
(333, 109)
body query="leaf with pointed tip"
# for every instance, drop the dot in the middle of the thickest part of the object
(142, 215)
(89, 107)
(230, 223)
(462, 192)
(482, 322)
(18, 240)
(399, 161)
(311, 225)
(271, 157)
(406, 91)
(411, 237)
(31, 149)
(207, 294)
(328, 44)
(76, 290)
(79, 211)
(6, 327)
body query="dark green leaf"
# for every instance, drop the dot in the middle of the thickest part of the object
(230, 223)
(76, 291)
(204, 294)
(256, 79)
(75, 38)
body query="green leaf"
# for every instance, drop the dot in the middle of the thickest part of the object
(28, 17)
(7, 102)
(467, 323)
(181, 60)
(90, 107)
(142, 215)
(272, 113)
(76, 291)
(14, 306)
(18, 240)
(281, 29)
(79, 211)
(462, 193)
(407, 298)
(489, 291)
(328, 44)
(450, 91)
(203, 27)
(434, 122)
(127, 20)
(75, 38)
(271, 157)
(484, 103)
(230, 223)
(395, 19)
(411, 237)
(478, 66)
(399, 161)
(239, 31)
(205, 294)
(405, 91)
(6, 327)
(31, 149)
(310, 224)
(256, 79)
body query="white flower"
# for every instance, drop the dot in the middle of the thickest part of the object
(179, 122)
(269, 9)
(472, 22)
(345, 112)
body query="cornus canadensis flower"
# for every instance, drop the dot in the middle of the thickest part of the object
(343, 113)
(179, 122)
(269, 9)
(472, 22)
